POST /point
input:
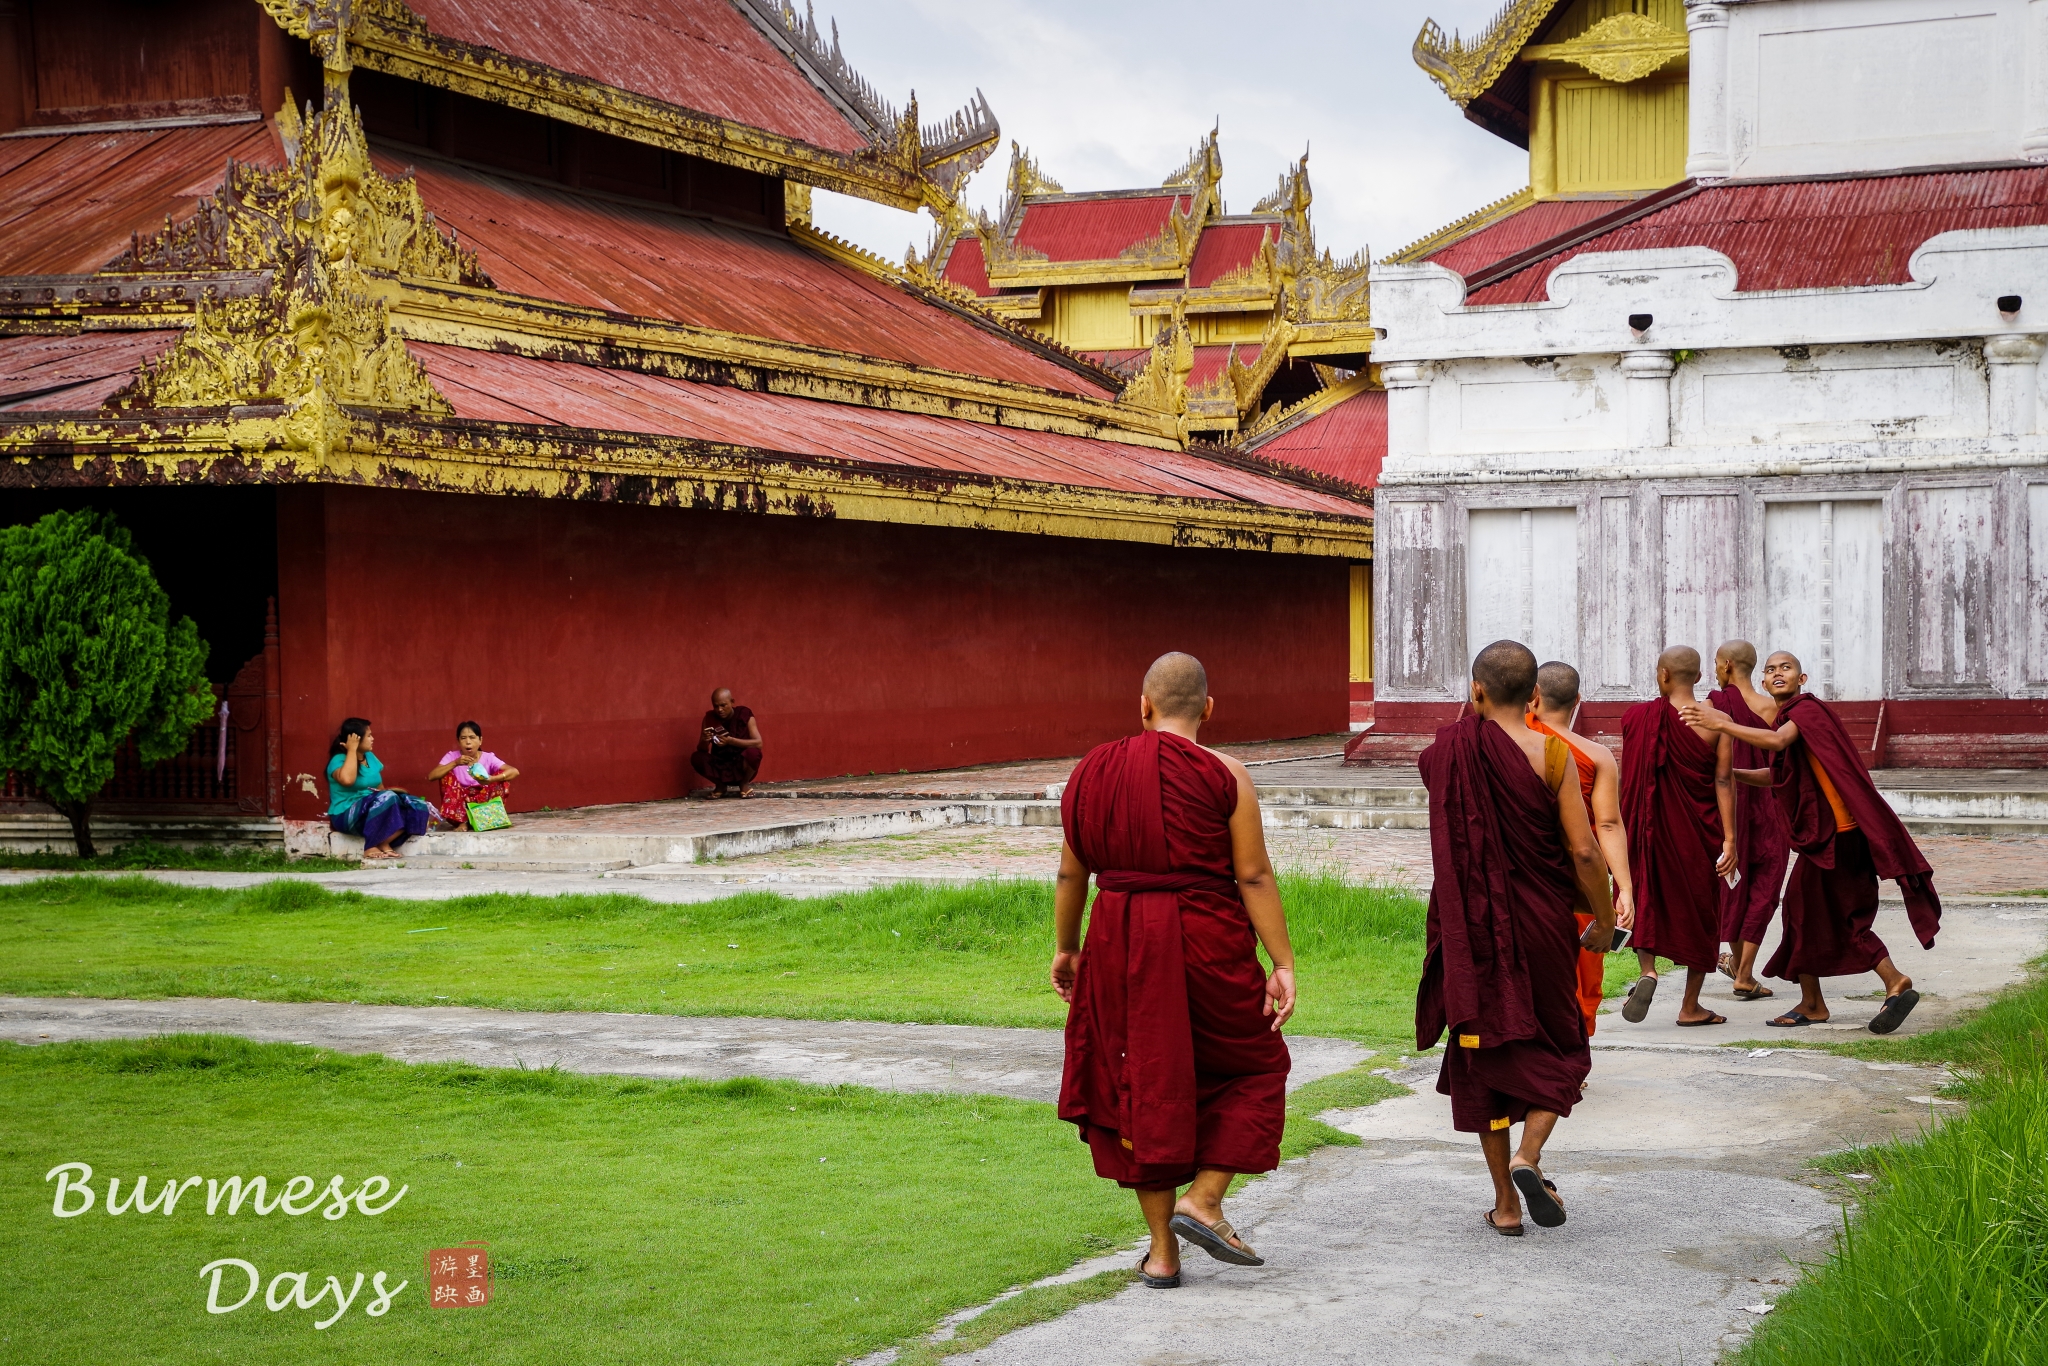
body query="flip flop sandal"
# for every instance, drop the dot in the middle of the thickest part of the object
(1539, 1195)
(1214, 1239)
(1791, 1019)
(1504, 1230)
(1757, 994)
(1153, 1282)
(1639, 997)
(1726, 964)
(1894, 1012)
(1712, 1019)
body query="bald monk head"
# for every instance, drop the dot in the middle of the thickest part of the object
(1678, 671)
(1176, 689)
(1503, 676)
(1557, 687)
(1784, 676)
(1735, 659)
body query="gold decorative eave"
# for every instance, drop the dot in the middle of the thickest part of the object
(1620, 48)
(1467, 70)
(1330, 339)
(1277, 419)
(386, 37)
(260, 446)
(1014, 273)
(1505, 207)
(1027, 306)
(1240, 299)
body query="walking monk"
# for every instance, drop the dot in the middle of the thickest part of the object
(1175, 1072)
(1677, 801)
(1512, 849)
(1557, 694)
(1762, 844)
(1848, 837)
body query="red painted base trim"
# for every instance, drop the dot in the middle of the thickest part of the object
(1978, 732)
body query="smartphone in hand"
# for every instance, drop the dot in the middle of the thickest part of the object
(1620, 941)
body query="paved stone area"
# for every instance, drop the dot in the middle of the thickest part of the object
(1021, 781)
(1024, 1063)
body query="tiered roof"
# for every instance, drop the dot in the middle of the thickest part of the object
(386, 310)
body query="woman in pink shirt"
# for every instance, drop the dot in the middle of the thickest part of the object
(469, 773)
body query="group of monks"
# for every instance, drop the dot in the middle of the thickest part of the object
(1176, 1071)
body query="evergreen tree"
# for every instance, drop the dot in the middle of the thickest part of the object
(89, 656)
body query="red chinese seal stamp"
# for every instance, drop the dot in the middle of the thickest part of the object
(459, 1277)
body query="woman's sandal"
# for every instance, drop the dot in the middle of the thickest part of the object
(1214, 1239)
(1539, 1196)
(1894, 1011)
(1153, 1282)
(1504, 1230)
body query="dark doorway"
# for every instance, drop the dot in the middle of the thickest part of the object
(214, 550)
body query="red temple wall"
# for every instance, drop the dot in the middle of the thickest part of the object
(587, 638)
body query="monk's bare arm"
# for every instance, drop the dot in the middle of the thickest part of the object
(1609, 833)
(1755, 777)
(1724, 798)
(1712, 718)
(1261, 892)
(1069, 900)
(1587, 863)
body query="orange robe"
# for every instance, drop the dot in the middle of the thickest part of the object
(1592, 966)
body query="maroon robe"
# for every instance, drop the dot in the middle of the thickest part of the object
(1762, 844)
(1499, 973)
(726, 765)
(1831, 900)
(1172, 1064)
(1674, 835)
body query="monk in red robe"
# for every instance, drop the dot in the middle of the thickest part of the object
(1557, 697)
(1176, 1074)
(1762, 844)
(729, 748)
(1678, 803)
(1847, 837)
(1512, 850)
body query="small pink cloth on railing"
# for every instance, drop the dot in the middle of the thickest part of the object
(466, 775)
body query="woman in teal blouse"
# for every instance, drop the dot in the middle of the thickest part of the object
(358, 803)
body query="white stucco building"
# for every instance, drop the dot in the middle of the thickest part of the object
(1797, 396)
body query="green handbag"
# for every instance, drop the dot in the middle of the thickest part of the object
(489, 815)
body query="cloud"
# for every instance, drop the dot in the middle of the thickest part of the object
(1111, 94)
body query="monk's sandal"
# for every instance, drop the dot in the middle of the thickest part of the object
(1538, 1196)
(1214, 1239)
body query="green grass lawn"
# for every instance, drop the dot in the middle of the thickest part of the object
(628, 1221)
(1947, 1260)
(139, 855)
(965, 955)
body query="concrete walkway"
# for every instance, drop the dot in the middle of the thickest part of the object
(1024, 1063)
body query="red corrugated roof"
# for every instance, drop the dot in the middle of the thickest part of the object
(74, 374)
(491, 386)
(1225, 247)
(1519, 231)
(967, 266)
(69, 203)
(554, 244)
(1348, 441)
(1212, 361)
(1095, 229)
(701, 54)
(1811, 234)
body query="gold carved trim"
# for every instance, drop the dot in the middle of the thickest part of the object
(1466, 70)
(1463, 227)
(1279, 418)
(1620, 48)
(500, 458)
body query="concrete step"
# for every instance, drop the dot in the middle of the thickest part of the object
(1972, 825)
(1968, 804)
(505, 865)
(40, 832)
(1389, 796)
(1345, 817)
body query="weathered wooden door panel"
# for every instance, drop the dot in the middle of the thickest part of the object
(1409, 552)
(1824, 593)
(1949, 591)
(1702, 569)
(2034, 593)
(1522, 580)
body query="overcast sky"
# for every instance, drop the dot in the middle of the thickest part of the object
(1111, 94)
